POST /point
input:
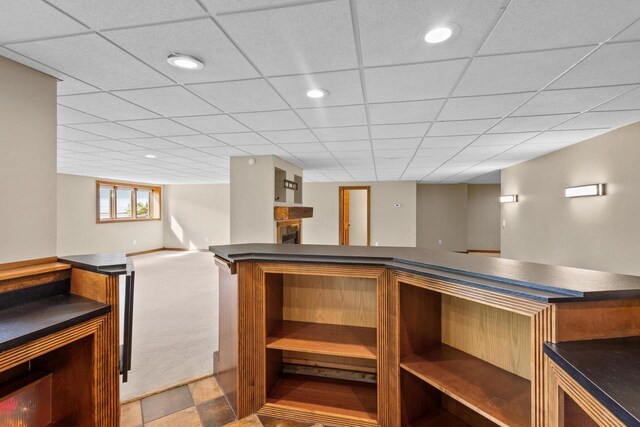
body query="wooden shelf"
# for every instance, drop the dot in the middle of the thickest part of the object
(320, 338)
(498, 395)
(441, 418)
(32, 270)
(338, 397)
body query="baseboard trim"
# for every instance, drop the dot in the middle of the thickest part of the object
(150, 251)
(483, 251)
(144, 396)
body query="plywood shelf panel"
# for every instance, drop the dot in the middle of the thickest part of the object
(326, 395)
(319, 338)
(498, 395)
(441, 418)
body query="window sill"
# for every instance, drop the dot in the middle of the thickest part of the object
(111, 221)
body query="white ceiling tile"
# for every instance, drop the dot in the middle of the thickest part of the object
(529, 123)
(240, 96)
(168, 101)
(519, 72)
(270, 120)
(565, 136)
(548, 24)
(472, 155)
(34, 19)
(601, 119)
(159, 127)
(393, 32)
(348, 145)
(461, 127)
(447, 141)
(304, 147)
(528, 151)
(503, 139)
(612, 64)
(399, 131)
(343, 87)
(482, 107)
(416, 173)
(183, 152)
(289, 136)
(212, 124)
(112, 144)
(195, 141)
(334, 116)
(492, 177)
(69, 116)
(392, 144)
(201, 39)
(264, 149)
(569, 100)
(106, 106)
(296, 40)
(77, 147)
(109, 130)
(100, 14)
(437, 153)
(408, 82)
(405, 112)
(363, 174)
(234, 6)
(394, 154)
(151, 143)
(76, 135)
(629, 101)
(342, 134)
(93, 60)
(245, 138)
(631, 33)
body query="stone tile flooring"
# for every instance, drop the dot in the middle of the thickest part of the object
(199, 404)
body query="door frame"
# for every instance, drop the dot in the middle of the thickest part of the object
(341, 191)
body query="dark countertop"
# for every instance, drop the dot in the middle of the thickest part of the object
(609, 369)
(27, 322)
(539, 282)
(111, 264)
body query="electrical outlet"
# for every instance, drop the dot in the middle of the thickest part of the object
(504, 223)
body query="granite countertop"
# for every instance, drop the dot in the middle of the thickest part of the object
(23, 323)
(546, 283)
(609, 369)
(111, 264)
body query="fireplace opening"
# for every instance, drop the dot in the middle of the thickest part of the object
(289, 232)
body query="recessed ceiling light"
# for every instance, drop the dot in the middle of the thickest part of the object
(438, 35)
(317, 93)
(186, 62)
(150, 156)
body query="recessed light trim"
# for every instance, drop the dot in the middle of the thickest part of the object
(317, 93)
(150, 156)
(438, 35)
(185, 62)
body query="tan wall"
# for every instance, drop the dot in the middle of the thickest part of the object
(252, 197)
(390, 226)
(196, 216)
(27, 163)
(591, 232)
(78, 232)
(483, 217)
(442, 216)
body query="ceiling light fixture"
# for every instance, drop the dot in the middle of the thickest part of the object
(186, 62)
(317, 93)
(150, 156)
(438, 35)
(585, 191)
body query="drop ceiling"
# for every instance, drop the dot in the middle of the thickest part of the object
(521, 79)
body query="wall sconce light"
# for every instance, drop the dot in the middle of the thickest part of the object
(585, 190)
(511, 198)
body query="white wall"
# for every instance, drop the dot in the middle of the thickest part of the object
(592, 232)
(390, 226)
(78, 232)
(358, 217)
(27, 163)
(196, 216)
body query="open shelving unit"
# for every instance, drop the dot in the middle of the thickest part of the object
(463, 363)
(321, 345)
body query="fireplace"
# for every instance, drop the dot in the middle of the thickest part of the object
(289, 232)
(26, 401)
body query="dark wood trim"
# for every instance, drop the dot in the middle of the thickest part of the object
(341, 191)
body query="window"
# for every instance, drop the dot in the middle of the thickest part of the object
(120, 201)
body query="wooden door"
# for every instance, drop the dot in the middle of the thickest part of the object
(345, 218)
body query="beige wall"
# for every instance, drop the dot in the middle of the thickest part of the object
(591, 232)
(27, 163)
(442, 216)
(78, 232)
(196, 216)
(390, 226)
(358, 217)
(252, 197)
(483, 217)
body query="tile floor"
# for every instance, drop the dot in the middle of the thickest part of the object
(199, 404)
